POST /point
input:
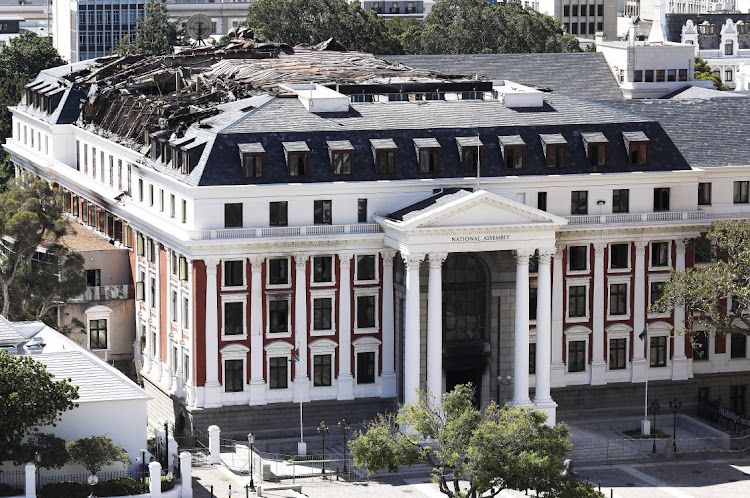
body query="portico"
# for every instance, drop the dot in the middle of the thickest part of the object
(459, 221)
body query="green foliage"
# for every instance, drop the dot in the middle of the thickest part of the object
(31, 398)
(52, 448)
(155, 34)
(493, 448)
(97, 451)
(8, 490)
(68, 489)
(703, 290)
(573, 488)
(166, 485)
(118, 486)
(702, 71)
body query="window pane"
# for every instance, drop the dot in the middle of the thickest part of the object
(365, 311)
(618, 258)
(278, 271)
(576, 356)
(322, 313)
(701, 350)
(660, 254)
(617, 354)
(278, 372)
(577, 255)
(278, 316)
(233, 376)
(233, 273)
(618, 299)
(278, 214)
(366, 267)
(704, 194)
(322, 370)
(577, 301)
(661, 199)
(739, 348)
(620, 201)
(323, 269)
(98, 334)
(365, 368)
(233, 318)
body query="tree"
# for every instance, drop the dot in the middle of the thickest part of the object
(51, 448)
(702, 71)
(155, 34)
(30, 399)
(314, 21)
(20, 61)
(97, 451)
(30, 218)
(494, 448)
(704, 290)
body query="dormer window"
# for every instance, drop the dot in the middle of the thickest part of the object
(555, 147)
(470, 150)
(341, 154)
(636, 143)
(595, 145)
(297, 158)
(706, 28)
(472, 95)
(513, 148)
(729, 48)
(428, 154)
(384, 152)
(252, 156)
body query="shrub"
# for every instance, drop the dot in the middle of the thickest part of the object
(166, 485)
(118, 486)
(8, 490)
(65, 489)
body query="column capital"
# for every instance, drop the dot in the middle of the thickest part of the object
(522, 256)
(211, 265)
(300, 260)
(388, 255)
(256, 261)
(599, 249)
(640, 247)
(412, 261)
(559, 252)
(437, 259)
(345, 258)
(546, 254)
(680, 245)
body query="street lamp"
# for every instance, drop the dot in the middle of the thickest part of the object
(654, 409)
(143, 466)
(324, 430)
(251, 440)
(37, 460)
(345, 427)
(674, 405)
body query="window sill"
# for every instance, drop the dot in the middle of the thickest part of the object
(366, 282)
(315, 285)
(234, 337)
(616, 318)
(319, 333)
(577, 319)
(578, 272)
(366, 330)
(278, 335)
(658, 315)
(659, 268)
(286, 286)
(233, 288)
(618, 270)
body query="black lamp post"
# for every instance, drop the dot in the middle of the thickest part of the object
(674, 405)
(251, 441)
(324, 430)
(345, 427)
(37, 460)
(143, 467)
(654, 408)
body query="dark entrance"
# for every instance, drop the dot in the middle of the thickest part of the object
(465, 345)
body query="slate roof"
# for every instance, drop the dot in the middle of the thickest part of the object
(691, 92)
(9, 335)
(585, 74)
(443, 197)
(707, 132)
(675, 22)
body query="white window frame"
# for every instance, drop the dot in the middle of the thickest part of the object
(624, 279)
(578, 333)
(574, 282)
(234, 298)
(327, 293)
(619, 331)
(323, 347)
(367, 291)
(99, 312)
(367, 344)
(275, 297)
(377, 268)
(588, 260)
(333, 270)
(288, 283)
(233, 352)
(279, 349)
(660, 329)
(224, 287)
(652, 279)
(651, 252)
(609, 258)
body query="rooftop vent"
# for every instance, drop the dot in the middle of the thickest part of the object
(514, 95)
(319, 99)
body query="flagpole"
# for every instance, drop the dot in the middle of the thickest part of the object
(645, 400)
(479, 165)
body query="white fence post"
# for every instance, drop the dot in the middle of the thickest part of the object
(214, 445)
(154, 473)
(186, 463)
(171, 451)
(30, 470)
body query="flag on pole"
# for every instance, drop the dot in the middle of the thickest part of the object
(295, 355)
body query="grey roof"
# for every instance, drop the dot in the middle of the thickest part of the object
(594, 138)
(707, 132)
(426, 143)
(553, 138)
(506, 140)
(469, 141)
(442, 197)
(697, 92)
(675, 22)
(252, 148)
(300, 146)
(383, 143)
(634, 136)
(9, 335)
(585, 74)
(339, 145)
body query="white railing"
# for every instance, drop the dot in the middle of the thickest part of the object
(636, 218)
(105, 293)
(241, 233)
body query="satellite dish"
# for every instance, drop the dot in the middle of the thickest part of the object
(199, 27)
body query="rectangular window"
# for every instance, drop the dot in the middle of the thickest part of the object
(658, 351)
(683, 74)
(541, 201)
(660, 75)
(638, 75)
(233, 376)
(738, 346)
(322, 309)
(111, 171)
(365, 368)
(252, 165)
(140, 190)
(619, 256)
(151, 195)
(657, 290)
(322, 269)
(577, 356)
(322, 370)
(737, 399)
(366, 267)
(579, 202)
(93, 278)
(152, 301)
(233, 318)
(556, 155)
(671, 75)
(184, 211)
(429, 160)
(704, 194)
(661, 199)
(233, 276)
(638, 153)
(278, 214)
(577, 256)
(617, 354)
(741, 192)
(513, 156)
(385, 161)
(618, 299)
(361, 210)
(532, 358)
(365, 312)
(600, 10)
(575, 10)
(161, 200)
(649, 75)
(620, 201)
(151, 251)
(660, 254)
(185, 312)
(174, 307)
(277, 369)
(566, 10)
(233, 215)
(171, 206)
(701, 346)
(469, 159)
(577, 301)
(98, 334)
(278, 316)
(183, 268)
(298, 162)
(342, 162)
(322, 212)
(278, 271)
(597, 154)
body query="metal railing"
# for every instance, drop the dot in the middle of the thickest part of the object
(593, 219)
(313, 467)
(13, 478)
(243, 233)
(138, 475)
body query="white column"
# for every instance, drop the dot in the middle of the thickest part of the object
(158, 369)
(301, 381)
(435, 325)
(639, 312)
(411, 328)
(558, 367)
(521, 357)
(388, 377)
(598, 364)
(190, 383)
(257, 384)
(345, 380)
(542, 397)
(681, 367)
(212, 391)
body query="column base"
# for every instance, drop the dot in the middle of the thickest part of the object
(388, 386)
(156, 370)
(257, 392)
(524, 403)
(345, 388)
(301, 390)
(681, 368)
(598, 371)
(212, 395)
(200, 398)
(639, 370)
(645, 427)
(550, 408)
(557, 375)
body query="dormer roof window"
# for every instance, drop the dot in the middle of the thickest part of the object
(252, 157)
(706, 28)
(636, 143)
(513, 148)
(297, 158)
(555, 148)
(595, 145)
(341, 154)
(428, 154)
(384, 153)
(470, 150)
